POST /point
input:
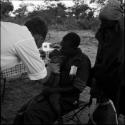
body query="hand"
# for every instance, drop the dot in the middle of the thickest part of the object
(54, 67)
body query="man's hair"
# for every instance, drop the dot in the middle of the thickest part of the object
(37, 26)
(73, 39)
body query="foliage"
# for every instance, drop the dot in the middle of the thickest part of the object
(95, 23)
(52, 15)
(102, 1)
(80, 10)
(98, 1)
(5, 8)
(71, 23)
(59, 16)
(21, 10)
(84, 24)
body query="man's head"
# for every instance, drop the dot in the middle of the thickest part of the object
(70, 42)
(38, 29)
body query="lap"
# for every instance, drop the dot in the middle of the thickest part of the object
(41, 110)
(36, 111)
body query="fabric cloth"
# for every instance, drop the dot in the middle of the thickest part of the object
(78, 81)
(79, 61)
(14, 72)
(111, 11)
(105, 114)
(36, 112)
(108, 68)
(41, 111)
(18, 45)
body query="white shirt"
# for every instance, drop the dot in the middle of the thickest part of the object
(17, 44)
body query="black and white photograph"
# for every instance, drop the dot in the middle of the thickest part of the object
(62, 62)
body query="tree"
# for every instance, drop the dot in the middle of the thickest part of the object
(48, 2)
(122, 1)
(61, 10)
(102, 1)
(80, 10)
(56, 10)
(98, 1)
(53, 13)
(6, 7)
(20, 12)
(90, 15)
(77, 2)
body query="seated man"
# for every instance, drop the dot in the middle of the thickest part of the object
(74, 73)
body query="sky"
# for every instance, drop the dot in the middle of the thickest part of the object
(68, 3)
(16, 3)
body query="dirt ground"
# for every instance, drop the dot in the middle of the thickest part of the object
(19, 91)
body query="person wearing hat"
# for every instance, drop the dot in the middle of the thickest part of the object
(108, 68)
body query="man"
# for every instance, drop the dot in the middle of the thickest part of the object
(21, 43)
(108, 68)
(74, 73)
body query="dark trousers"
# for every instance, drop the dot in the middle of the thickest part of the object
(105, 115)
(39, 111)
(122, 100)
(105, 89)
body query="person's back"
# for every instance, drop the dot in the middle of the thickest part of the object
(19, 44)
(11, 35)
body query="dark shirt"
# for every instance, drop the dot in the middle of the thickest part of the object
(78, 81)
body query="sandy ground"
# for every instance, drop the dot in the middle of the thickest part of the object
(19, 91)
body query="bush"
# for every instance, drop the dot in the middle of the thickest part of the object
(71, 23)
(60, 20)
(95, 23)
(68, 24)
(84, 24)
(5, 8)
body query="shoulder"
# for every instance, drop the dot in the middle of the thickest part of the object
(19, 32)
(81, 57)
(81, 61)
(10, 25)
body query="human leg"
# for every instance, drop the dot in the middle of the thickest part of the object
(39, 112)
